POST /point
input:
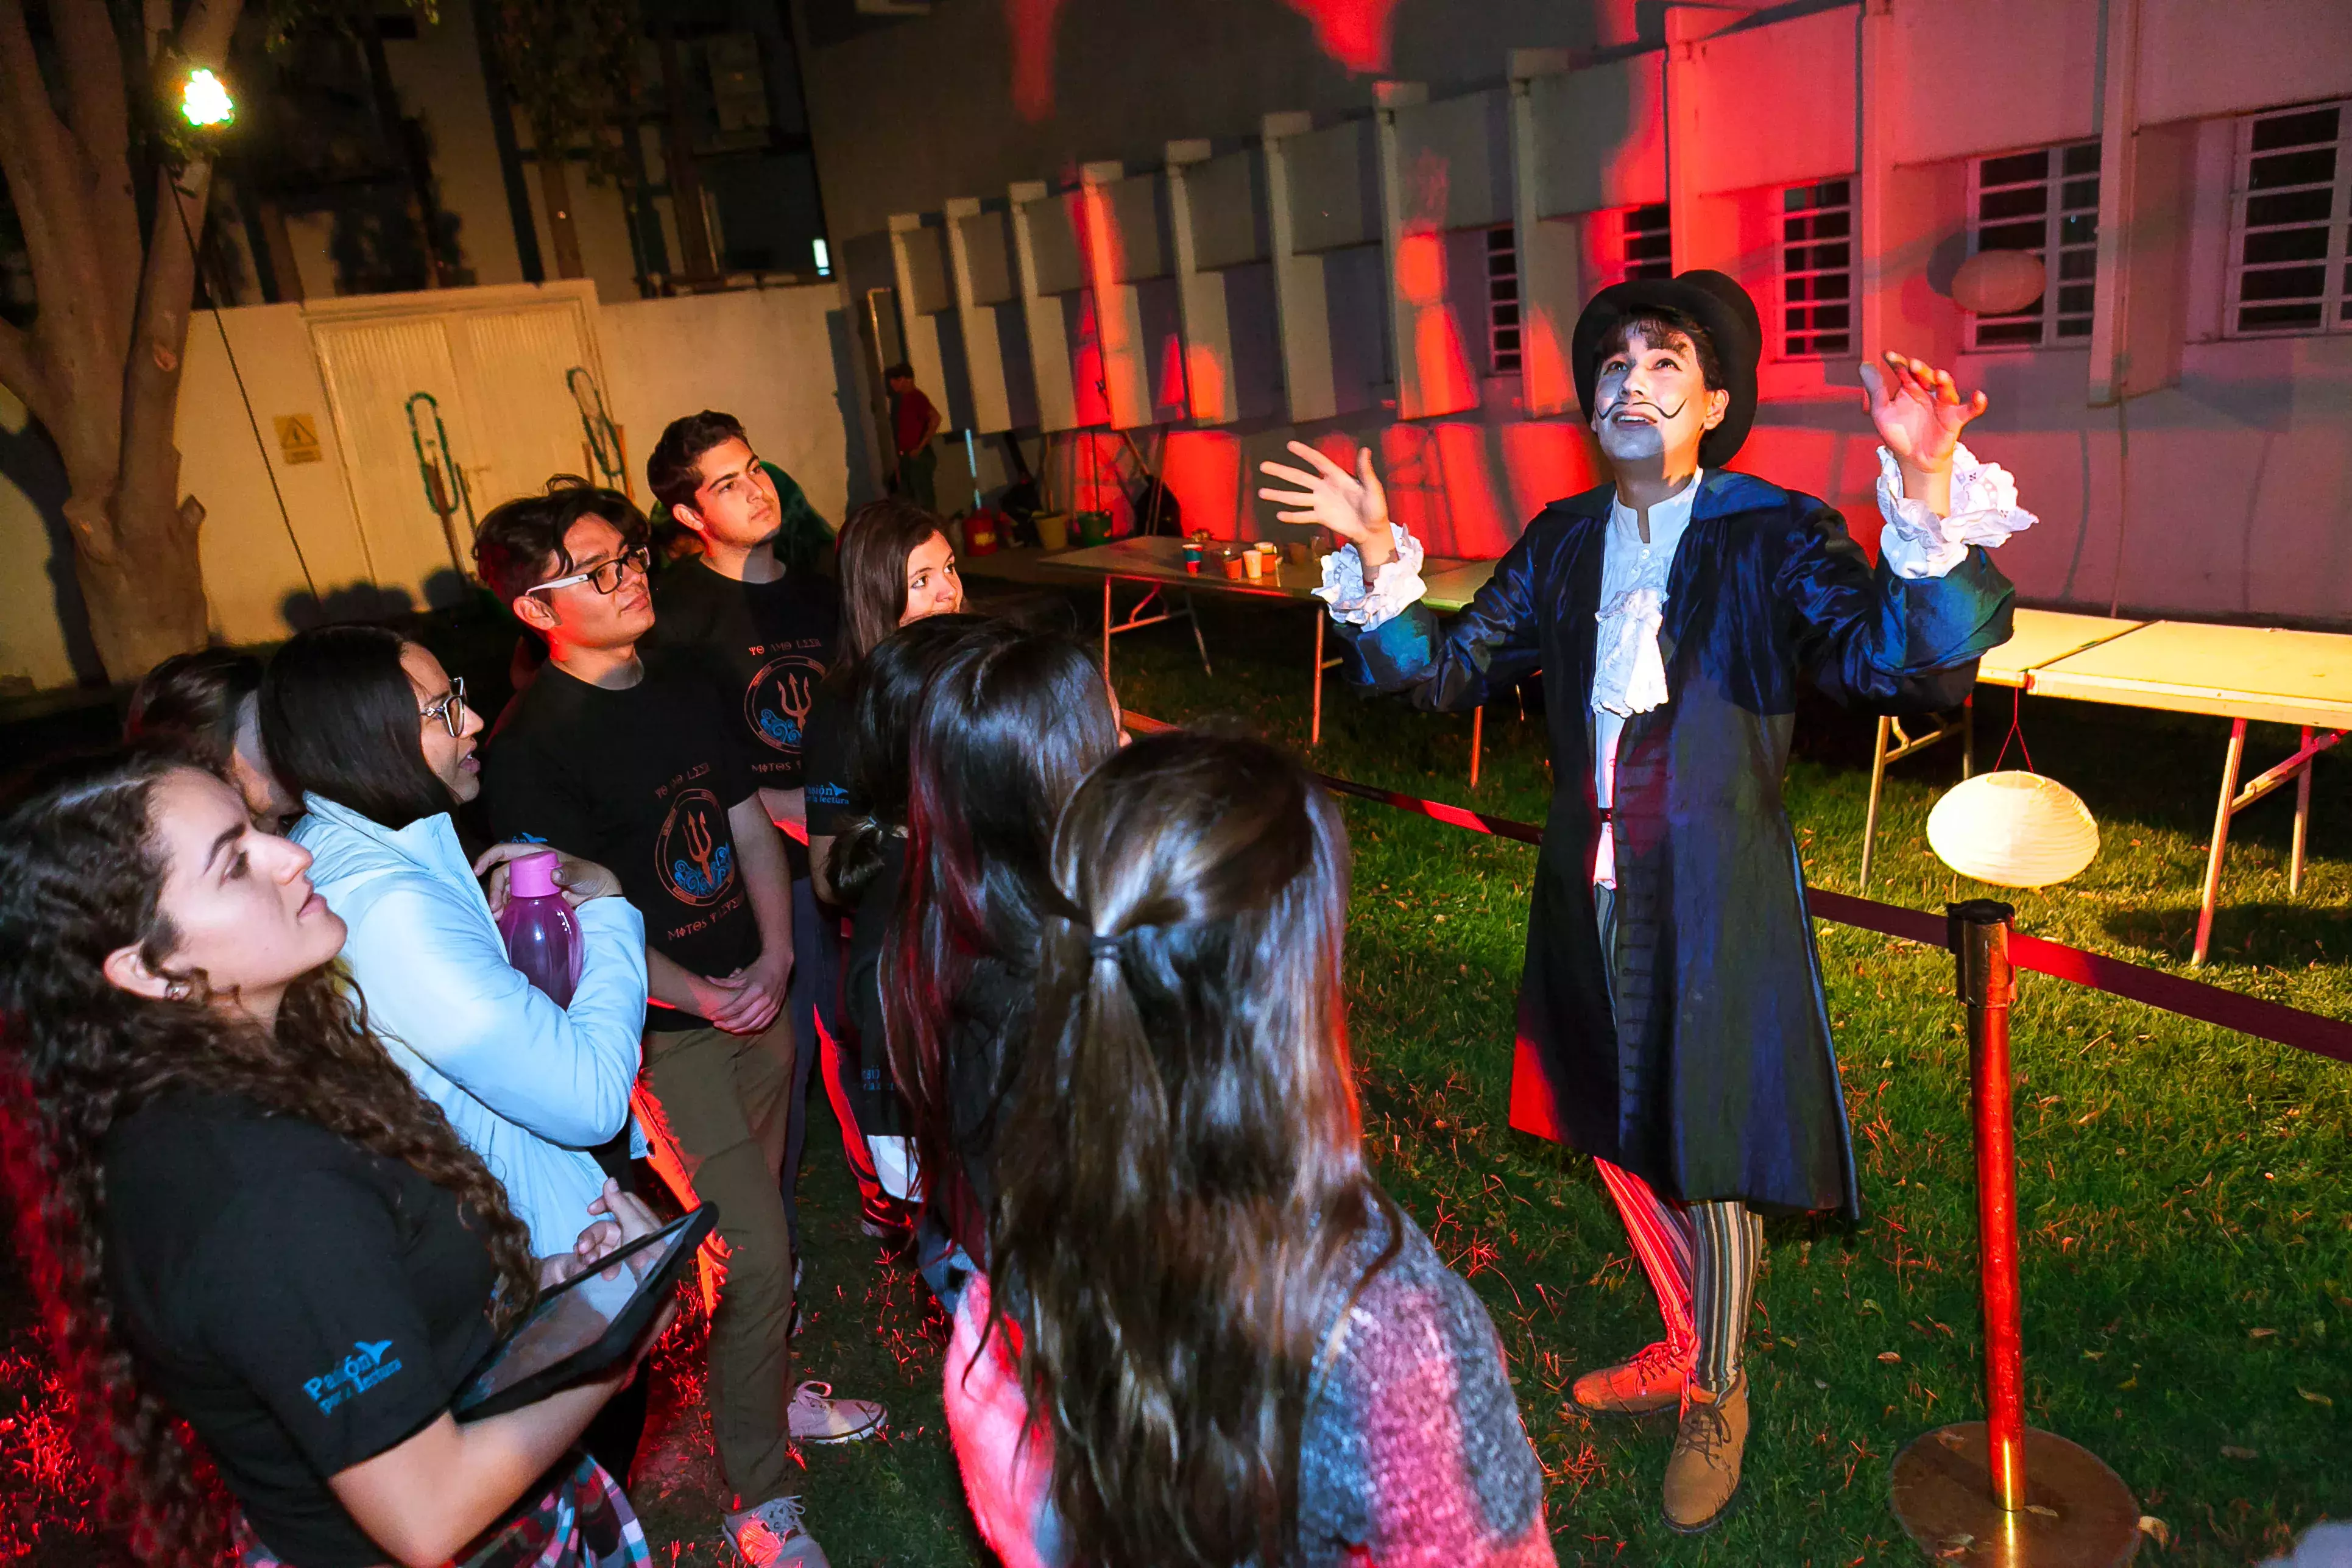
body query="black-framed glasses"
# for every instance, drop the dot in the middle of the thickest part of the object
(607, 575)
(449, 711)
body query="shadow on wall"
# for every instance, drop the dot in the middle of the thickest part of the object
(29, 460)
(366, 601)
(856, 420)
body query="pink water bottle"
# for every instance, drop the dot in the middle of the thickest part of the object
(543, 934)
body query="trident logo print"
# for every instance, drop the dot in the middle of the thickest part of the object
(777, 701)
(695, 866)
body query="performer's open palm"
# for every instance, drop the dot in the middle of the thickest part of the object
(1918, 412)
(1352, 505)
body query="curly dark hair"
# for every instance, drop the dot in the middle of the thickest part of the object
(80, 878)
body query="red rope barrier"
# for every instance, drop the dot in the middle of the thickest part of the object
(2134, 982)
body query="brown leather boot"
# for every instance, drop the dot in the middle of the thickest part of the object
(1703, 1473)
(1652, 1380)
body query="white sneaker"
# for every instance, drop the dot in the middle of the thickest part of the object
(815, 1416)
(773, 1536)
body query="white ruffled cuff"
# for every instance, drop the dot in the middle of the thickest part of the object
(1918, 543)
(1396, 586)
(1629, 675)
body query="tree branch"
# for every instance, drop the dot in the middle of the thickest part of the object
(91, 53)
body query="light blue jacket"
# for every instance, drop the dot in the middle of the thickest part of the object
(529, 1086)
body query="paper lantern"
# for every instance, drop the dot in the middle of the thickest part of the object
(1996, 282)
(2013, 829)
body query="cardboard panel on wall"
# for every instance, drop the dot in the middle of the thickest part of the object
(1134, 213)
(1228, 210)
(1053, 245)
(930, 290)
(1334, 189)
(1602, 132)
(1455, 158)
(2198, 58)
(1983, 76)
(988, 253)
(1775, 105)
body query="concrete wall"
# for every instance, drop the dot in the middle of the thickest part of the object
(777, 358)
(2219, 489)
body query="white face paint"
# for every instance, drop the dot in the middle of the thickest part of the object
(1653, 406)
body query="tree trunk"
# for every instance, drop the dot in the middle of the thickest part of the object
(555, 189)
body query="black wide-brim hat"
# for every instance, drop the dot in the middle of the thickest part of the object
(1716, 303)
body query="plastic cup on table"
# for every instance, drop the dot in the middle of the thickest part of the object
(1253, 563)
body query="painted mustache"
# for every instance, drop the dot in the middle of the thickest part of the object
(1624, 404)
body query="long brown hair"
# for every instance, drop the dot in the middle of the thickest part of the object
(876, 540)
(1179, 1218)
(79, 875)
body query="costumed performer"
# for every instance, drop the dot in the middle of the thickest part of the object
(1671, 1018)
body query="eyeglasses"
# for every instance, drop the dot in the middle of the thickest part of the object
(448, 711)
(606, 574)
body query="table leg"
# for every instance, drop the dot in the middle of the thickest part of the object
(1968, 736)
(1314, 725)
(1877, 783)
(1106, 658)
(2302, 821)
(1192, 614)
(1477, 741)
(2221, 814)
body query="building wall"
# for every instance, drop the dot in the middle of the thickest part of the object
(2216, 486)
(774, 357)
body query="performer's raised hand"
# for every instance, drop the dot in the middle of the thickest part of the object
(1919, 413)
(1352, 505)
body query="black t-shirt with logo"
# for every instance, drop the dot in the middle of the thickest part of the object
(825, 759)
(304, 1304)
(640, 781)
(767, 644)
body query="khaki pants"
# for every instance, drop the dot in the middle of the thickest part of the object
(720, 1114)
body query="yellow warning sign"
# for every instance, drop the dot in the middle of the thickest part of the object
(298, 438)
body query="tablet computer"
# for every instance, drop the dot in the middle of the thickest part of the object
(582, 1326)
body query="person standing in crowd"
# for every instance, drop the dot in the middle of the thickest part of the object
(869, 864)
(895, 566)
(765, 633)
(637, 765)
(242, 1215)
(1006, 728)
(202, 702)
(913, 422)
(378, 741)
(1672, 1021)
(1192, 1197)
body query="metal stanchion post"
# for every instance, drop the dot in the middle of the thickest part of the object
(1997, 1491)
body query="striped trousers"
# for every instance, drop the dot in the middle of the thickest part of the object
(1701, 1259)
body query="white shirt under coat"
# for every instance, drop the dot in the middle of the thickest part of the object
(529, 1086)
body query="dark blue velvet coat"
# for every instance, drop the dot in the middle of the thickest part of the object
(1714, 1075)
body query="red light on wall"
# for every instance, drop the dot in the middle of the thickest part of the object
(1032, 25)
(1204, 471)
(1353, 32)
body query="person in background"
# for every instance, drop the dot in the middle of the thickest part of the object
(896, 567)
(242, 1215)
(869, 861)
(1193, 1194)
(637, 765)
(202, 702)
(765, 633)
(378, 741)
(671, 542)
(1006, 728)
(913, 422)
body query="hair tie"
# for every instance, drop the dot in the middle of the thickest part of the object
(1104, 947)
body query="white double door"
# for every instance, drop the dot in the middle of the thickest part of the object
(497, 364)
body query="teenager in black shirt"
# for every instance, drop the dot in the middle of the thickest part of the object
(637, 765)
(244, 1215)
(766, 634)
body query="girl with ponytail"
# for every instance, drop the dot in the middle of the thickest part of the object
(1215, 1340)
(252, 1239)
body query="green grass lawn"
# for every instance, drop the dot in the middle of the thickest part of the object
(2187, 1245)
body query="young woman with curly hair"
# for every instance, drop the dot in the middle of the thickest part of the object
(241, 1215)
(1217, 1340)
